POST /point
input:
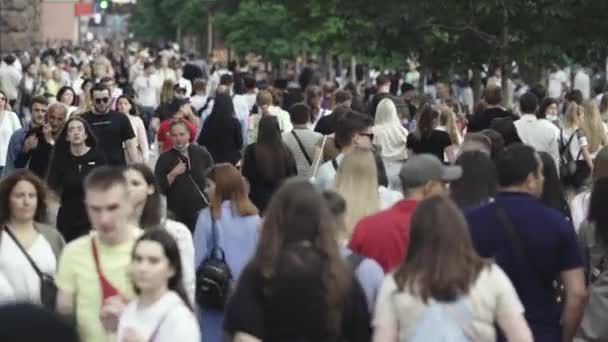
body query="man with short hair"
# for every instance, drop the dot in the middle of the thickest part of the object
(540, 134)
(327, 124)
(112, 129)
(302, 140)
(244, 103)
(383, 86)
(352, 130)
(266, 107)
(10, 78)
(31, 146)
(147, 89)
(495, 110)
(92, 276)
(385, 236)
(533, 244)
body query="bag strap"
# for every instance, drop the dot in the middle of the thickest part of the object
(25, 253)
(186, 160)
(293, 132)
(334, 163)
(215, 244)
(158, 326)
(318, 161)
(565, 147)
(507, 224)
(467, 328)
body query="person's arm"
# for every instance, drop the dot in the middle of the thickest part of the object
(132, 151)
(587, 156)
(65, 279)
(142, 137)
(238, 134)
(66, 303)
(243, 337)
(509, 311)
(14, 147)
(576, 300)
(385, 319)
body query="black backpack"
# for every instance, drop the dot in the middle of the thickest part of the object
(213, 277)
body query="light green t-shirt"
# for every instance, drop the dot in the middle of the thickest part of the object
(77, 274)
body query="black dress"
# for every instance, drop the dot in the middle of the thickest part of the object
(185, 194)
(66, 176)
(261, 188)
(223, 139)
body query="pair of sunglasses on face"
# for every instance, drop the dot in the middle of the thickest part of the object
(101, 100)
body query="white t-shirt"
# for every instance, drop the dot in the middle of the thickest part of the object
(169, 316)
(491, 297)
(9, 123)
(19, 273)
(147, 89)
(556, 82)
(577, 143)
(540, 134)
(183, 238)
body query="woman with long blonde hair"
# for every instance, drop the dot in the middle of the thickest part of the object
(357, 181)
(574, 141)
(595, 129)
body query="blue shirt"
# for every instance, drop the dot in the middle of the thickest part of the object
(370, 276)
(15, 146)
(550, 243)
(238, 237)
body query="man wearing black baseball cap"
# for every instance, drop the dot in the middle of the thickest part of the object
(385, 236)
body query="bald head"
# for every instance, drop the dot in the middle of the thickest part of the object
(56, 116)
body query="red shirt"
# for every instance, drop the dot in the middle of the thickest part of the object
(163, 135)
(385, 236)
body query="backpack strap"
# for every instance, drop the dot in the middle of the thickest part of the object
(563, 147)
(354, 260)
(293, 132)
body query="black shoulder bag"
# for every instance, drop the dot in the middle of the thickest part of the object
(213, 277)
(48, 289)
(302, 147)
(519, 245)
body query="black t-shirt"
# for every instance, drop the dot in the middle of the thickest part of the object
(112, 130)
(291, 307)
(326, 124)
(433, 144)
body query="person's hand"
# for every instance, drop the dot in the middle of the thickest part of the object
(179, 169)
(132, 335)
(30, 143)
(47, 130)
(110, 313)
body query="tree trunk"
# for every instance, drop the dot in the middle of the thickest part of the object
(209, 31)
(353, 69)
(476, 84)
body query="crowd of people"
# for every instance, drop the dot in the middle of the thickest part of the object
(146, 196)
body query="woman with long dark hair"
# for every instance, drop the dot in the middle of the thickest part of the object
(23, 213)
(148, 210)
(297, 287)
(553, 195)
(441, 277)
(479, 181)
(126, 105)
(67, 96)
(426, 138)
(235, 220)
(267, 162)
(221, 133)
(162, 311)
(74, 156)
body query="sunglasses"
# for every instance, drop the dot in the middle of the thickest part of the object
(102, 100)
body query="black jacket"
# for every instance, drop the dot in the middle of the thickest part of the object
(185, 194)
(223, 140)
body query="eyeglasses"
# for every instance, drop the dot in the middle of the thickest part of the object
(102, 100)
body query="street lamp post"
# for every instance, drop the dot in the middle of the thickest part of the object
(209, 4)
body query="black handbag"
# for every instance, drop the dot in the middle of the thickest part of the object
(213, 277)
(48, 289)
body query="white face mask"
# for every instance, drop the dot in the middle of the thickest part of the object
(551, 117)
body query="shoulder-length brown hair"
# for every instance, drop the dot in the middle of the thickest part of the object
(441, 262)
(297, 236)
(8, 184)
(229, 186)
